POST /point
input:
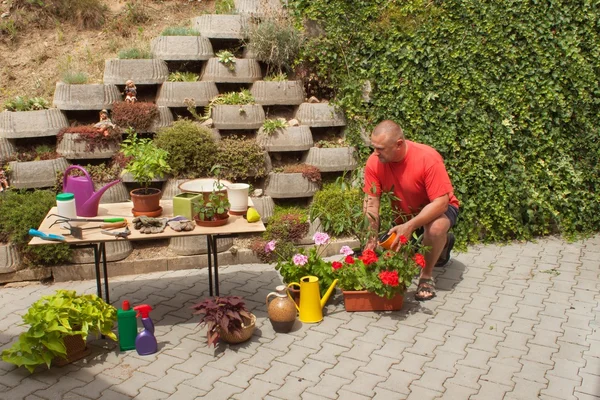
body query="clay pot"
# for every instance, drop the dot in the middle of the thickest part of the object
(281, 310)
(146, 202)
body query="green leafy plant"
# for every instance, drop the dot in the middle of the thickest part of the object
(54, 317)
(147, 161)
(222, 314)
(191, 147)
(179, 31)
(26, 104)
(276, 42)
(243, 97)
(241, 158)
(289, 224)
(276, 77)
(385, 275)
(227, 58)
(210, 209)
(21, 210)
(74, 77)
(270, 126)
(138, 115)
(134, 53)
(224, 7)
(183, 77)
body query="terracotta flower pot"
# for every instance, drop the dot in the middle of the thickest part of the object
(362, 300)
(146, 203)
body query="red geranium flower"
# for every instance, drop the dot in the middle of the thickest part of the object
(388, 254)
(389, 278)
(403, 239)
(420, 260)
(368, 257)
(349, 260)
(336, 265)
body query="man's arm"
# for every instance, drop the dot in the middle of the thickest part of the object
(371, 210)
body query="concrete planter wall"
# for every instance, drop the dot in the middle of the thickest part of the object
(220, 26)
(265, 207)
(115, 194)
(230, 117)
(31, 124)
(173, 48)
(270, 93)
(293, 138)
(36, 174)
(85, 97)
(193, 245)
(173, 94)
(7, 150)
(171, 188)
(115, 251)
(128, 178)
(289, 185)
(246, 71)
(165, 118)
(141, 71)
(72, 149)
(257, 8)
(320, 115)
(331, 159)
(9, 258)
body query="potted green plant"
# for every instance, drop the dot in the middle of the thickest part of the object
(226, 318)
(211, 209)
(146, 162)
(58, 327)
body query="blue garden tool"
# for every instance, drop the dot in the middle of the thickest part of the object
(47, 236)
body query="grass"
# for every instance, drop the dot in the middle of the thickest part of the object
(179, 31)
(134, 53)
(74, 77)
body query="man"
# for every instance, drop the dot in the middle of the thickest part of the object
(417, 175)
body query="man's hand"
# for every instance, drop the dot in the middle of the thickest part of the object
(405, 230)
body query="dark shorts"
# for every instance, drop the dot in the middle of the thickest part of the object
(451, 213)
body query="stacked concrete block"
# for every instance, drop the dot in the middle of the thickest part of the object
(270, 93)
(7, 150)
(165, 118)
(174, 94)
(258, 8)
(250, 116)
(318, 115)
(221, 26)
(31, 124)
(36, 174)
(292, 138)
(184, 48)
(244, 70)
(289, 185)
(141, 71)
(75, 147)
(331, 159)
(85, 97)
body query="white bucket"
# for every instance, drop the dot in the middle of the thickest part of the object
(237, 193)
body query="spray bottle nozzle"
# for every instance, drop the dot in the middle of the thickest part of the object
(143, 310)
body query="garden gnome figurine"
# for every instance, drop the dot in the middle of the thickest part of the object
(3, 180)
(105, 124)
(130, 91)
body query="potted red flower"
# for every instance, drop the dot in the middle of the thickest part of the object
(376, 281)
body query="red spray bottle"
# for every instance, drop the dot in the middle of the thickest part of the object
(145, 342)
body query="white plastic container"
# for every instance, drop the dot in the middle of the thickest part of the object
(237, 193)
(65, 206)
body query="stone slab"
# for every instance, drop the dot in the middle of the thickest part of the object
(258, 8)
(331, 159)
(34, 274)
(247, 70)
(85, 97)
(32, 124)
(270, 93)
(174, 94)
(174, 48)
(35, 174)
(141, 71)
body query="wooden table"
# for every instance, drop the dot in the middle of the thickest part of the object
(96, 240)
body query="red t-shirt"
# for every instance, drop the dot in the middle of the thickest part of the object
(417, 180)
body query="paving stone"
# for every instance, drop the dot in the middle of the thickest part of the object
(277, 373)
(494, 327)
(590, 384)
(95, 388)
(570, 351)
(413, 363)
(454, 391)
(406, 333)
(132, 385)
(296, 355)
(517, 341)
(560, 388)
(159, 367)
(363, 384)
(445, 360)
(392, 348)
(256, 390)
(565, 369)
(329, 353)
(379, 365)
(533, 371)
(358, 323)
(384, 394)
(491, 391)
(501, 373)
(292, 388)
(485, 341)
(419, 393)
(399, 381)
(522, 325)
(314, 340)
(223, 391)
(525, 390)
(169, 383)
(228, 361)
(592, 365)
(328, 386)
(113, 395)
(362, 350)
(346, 368)
(424, 346)
(194, 362)
(433, 379)
(311, 370)
(472, 316)
(375, 335)
(344, 337)
(206, 378)
(150, 394)
(573, 335)
(540, 354)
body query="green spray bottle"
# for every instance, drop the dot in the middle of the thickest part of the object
(127, 326)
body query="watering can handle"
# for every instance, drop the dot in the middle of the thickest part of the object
(76, 167)
(290, 296)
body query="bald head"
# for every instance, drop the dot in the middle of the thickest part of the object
(388, 141)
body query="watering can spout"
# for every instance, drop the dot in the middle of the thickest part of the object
(328, 293)
(93, 202)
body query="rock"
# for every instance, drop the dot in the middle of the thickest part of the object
(313, 99)
(257, 193)
(293, 122)
(5, 15)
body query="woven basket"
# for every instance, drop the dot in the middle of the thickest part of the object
(247, 331)
(76, 350)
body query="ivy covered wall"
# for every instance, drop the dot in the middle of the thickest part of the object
(507, 91)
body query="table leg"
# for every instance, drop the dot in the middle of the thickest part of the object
(97, 267)
(209, 253)
(215, 263)
(105, 270)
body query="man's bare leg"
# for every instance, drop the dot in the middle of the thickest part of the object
(435, 238)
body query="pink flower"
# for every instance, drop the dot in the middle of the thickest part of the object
(336, 265)
(320, 238)
(300, 259)
(270, 246)
(346, 250)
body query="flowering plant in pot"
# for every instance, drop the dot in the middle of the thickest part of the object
(306, 262)
(386, 275)
(225, 318)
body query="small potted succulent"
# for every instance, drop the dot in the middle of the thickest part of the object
(58, 327)
(226, 318)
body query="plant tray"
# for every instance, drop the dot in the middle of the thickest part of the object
(362, 300)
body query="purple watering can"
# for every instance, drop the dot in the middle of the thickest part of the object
(86, 200)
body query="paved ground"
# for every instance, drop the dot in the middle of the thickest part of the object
(510, 322)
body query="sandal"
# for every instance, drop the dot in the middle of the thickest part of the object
(445, 257)
(425, 285)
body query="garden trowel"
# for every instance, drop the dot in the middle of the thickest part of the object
(77, 232)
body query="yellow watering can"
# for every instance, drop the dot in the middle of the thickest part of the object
(311, 305)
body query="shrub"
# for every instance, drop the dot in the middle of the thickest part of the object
(34, 153)
(192, 148)
(134, 53)
(74, 77)
(179, 31)
(19, 211)
(224, 7)
(241, 158)
(26, 104)
(183, 77)
(336, 206)
(276, 42)
(93, 137)
(288, 224)
(138, 115)
(270, 126)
